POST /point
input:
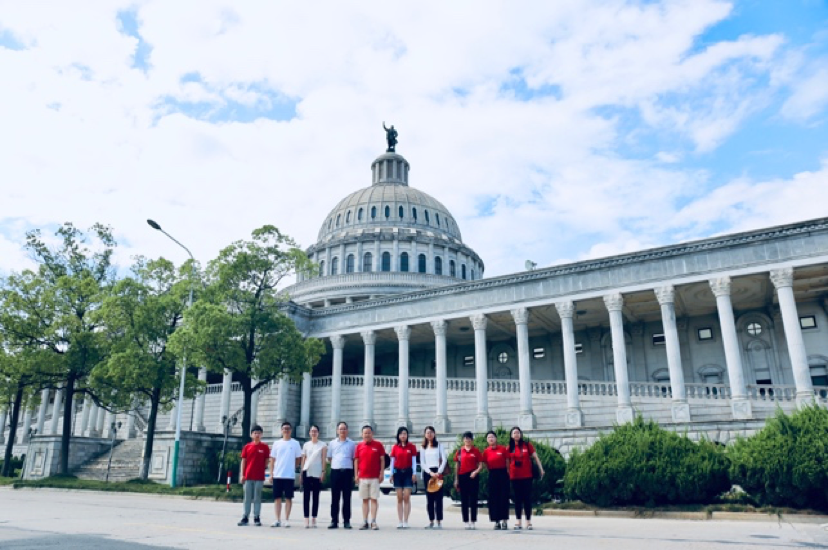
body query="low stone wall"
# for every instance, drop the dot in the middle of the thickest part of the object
(43, 454)
(194, 455)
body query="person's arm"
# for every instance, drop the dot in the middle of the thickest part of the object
(241, 471)
(302, 466)
(271, 462)
(324, 461)
(540, 466)
(356, 469)
(443, 459)
(298, 455)
(392, 467)
(413, 468)
(382, 468)
(475, 473)
(326, 458)
(456, 472)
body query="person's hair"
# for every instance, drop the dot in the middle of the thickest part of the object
(341, 422)
(425, 439)
(312, 426)
(256, 428)
(491, 432)
(367, 426)
(288, 424)
(400, 430)
(469, 435)
(522, 443)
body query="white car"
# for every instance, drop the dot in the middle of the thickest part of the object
(386, 486)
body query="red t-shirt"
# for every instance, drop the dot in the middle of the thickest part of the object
(522, 455)
(255, 460)
(369, 456)
(469, 460)
(402, 455)
(495, 457)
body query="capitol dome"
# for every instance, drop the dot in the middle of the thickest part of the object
(387, 238)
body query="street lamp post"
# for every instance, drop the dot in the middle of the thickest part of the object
(174, 476)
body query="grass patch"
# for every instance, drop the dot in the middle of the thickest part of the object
(215, 492)
(7, 480)
(707, 508)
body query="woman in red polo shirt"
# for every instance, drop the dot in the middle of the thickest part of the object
(496, 458)
(403, 474)
(468, 463)
(521, 453)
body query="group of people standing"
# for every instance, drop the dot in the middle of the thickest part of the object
(363, 464)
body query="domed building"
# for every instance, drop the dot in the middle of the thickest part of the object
(388, 238)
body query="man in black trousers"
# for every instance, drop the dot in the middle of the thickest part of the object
(341, 457)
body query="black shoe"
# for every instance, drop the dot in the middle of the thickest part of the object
(257, 522)
(347, 525)
(243, 523)
(497, 526)
(333, 526)
(364, 527)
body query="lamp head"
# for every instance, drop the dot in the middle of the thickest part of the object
(154, 225)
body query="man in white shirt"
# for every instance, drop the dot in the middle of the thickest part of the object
(341, 457)
(285, 456)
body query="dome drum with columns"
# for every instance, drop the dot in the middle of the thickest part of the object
(388, 238)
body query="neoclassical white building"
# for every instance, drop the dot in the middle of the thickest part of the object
(707, 337)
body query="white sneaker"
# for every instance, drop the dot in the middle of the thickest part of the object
(276, 524)
(286, 524)
(400, 526)
(405, 525)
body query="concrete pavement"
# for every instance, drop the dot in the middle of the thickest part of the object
(45, 519)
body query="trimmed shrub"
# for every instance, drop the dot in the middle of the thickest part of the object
(786, 463)
(542, 490)
(643, 464)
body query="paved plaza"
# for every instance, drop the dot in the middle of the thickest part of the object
(46, 519)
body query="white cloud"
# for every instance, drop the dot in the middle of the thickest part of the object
(810, 95)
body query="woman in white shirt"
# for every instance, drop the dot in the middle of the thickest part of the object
(433, 459)
(313, 473)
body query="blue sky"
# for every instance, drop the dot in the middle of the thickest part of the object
(556, 132)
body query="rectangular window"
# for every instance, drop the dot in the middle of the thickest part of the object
(809, 321)
(539, 353)
(705, 333)
(579, 348)
(469, 361)
(658, 339)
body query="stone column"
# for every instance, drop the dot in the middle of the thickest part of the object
(739, 403)
(343, 262)
(666, 299)
(526, 419)
(783, 281)
(173, 413)
(305, 406)
(403, 334)
(338, 345)
(84, 423)
(23, 436)
(327, 270)
(430, 259)
(254, 403)
(395, 259)
(358, 259)
(482, 422)
(377, 257)
(41, 412)
(3, 414)
(224, 409)
(369, 338)
(614, 304)
(198, 421)
(109, 418)
(574, 416)
(56, 412)
(130, 424)
(281, 406)
(441, 422)
(101, 419)
(92, 426)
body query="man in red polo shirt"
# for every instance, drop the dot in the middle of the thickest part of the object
(254, 459)
(369, 464)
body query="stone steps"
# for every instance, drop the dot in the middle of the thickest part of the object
(126, 462)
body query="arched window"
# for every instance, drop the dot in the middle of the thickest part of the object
(373, 212)
(421, 263)
(401, 211)
(387, 212)
(349, 264)
(414, 214)
(404, 261)
(426, 216)
(367, 262)
(437, 219)
(359, 215)
(348, 217)
(386, 261)
(452, 269)
(463, 271)
(338, 217)
(322, 268)
(438, 265)
(334, 265)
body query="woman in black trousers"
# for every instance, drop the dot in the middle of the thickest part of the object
(468, 463)
(496, 458)
(433, 460)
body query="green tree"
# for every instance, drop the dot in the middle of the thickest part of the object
(18, 384)
(140, 315)
(56, 310)
(238, 326)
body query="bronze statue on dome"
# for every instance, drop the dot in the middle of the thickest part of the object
(390, 137)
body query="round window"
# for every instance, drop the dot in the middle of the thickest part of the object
(503, 357)
(754, 329)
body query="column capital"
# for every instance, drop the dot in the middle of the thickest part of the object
(782, 278)
(439, 327)
(665, 294)
(520, 315)
(369, 337)
(338, 341)
(720, 286)
(565, 309)
(614, 302)
(403, 332)
(479, 321)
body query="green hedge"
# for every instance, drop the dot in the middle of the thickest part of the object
(642, 464)
(786, 463)
(542, 490)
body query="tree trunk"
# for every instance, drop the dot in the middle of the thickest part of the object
(15, 418)
(66, 436)
(145, 464)
(248, 407)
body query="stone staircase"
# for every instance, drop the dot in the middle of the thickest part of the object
(126, 462)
